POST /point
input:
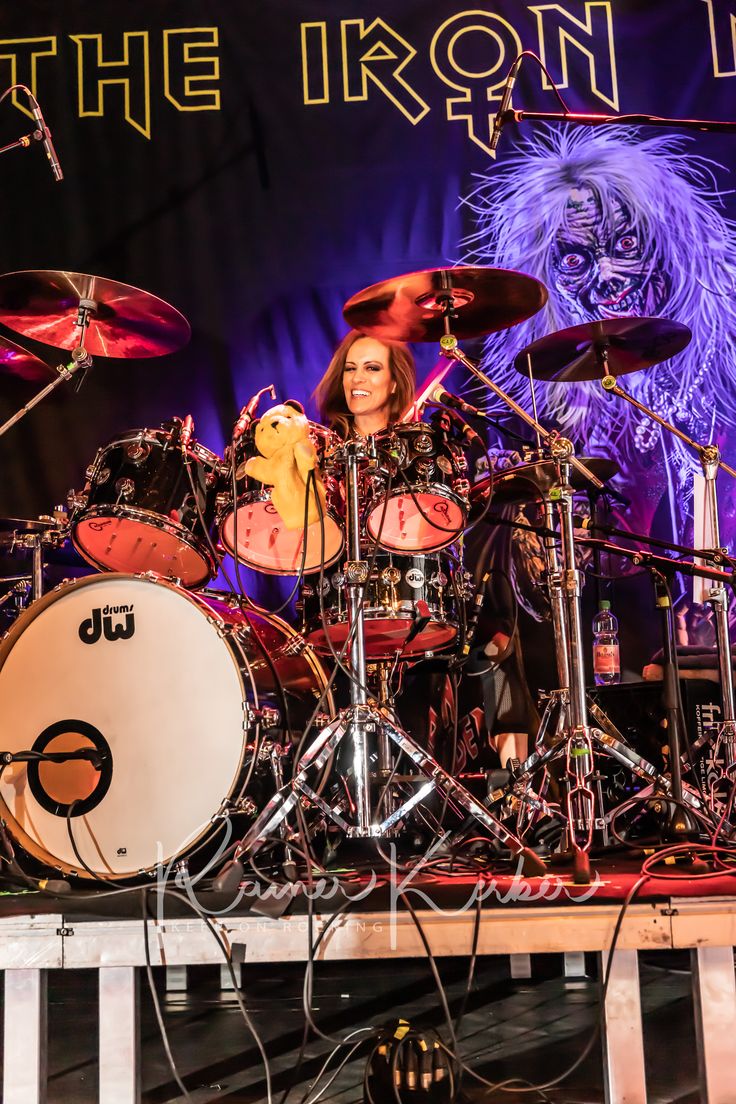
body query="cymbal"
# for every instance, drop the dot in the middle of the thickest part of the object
(124, 322)
(571, 355)
(528, 482)
(27, 525)
(18, 362)
(411, 307)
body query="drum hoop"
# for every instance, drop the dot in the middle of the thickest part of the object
(152, 519)
(405, 612)
(160, 436)
(224, 629)
(262, 496)
(439, 489)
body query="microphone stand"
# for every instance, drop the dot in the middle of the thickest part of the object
(710, 459)
(578, 118)
(717, 556)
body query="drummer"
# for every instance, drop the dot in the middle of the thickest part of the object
(369, 384)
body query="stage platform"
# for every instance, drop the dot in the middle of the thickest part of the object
(518, 917)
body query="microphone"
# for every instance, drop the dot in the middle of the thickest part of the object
(186, 431)
(503, 107)
(248, 413)
(466, 430)
(45, 139)
(420, 619)
(444, 398)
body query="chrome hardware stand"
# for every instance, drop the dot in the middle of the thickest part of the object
(710, 459)
(364, 720)
(565, 596)
(80, 359)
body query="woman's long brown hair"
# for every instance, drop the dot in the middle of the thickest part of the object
(330, 395)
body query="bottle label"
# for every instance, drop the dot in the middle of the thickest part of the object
(605, 659)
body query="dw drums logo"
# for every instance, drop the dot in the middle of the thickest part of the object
(101, 624)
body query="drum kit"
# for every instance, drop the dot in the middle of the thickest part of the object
(145, 715)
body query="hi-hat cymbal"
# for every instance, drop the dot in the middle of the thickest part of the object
(528, 482)
(630, 344)
(18, 362)
(124, 320)
(27, 525)
(412, 307)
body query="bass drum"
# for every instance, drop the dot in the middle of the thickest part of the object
(162, 684)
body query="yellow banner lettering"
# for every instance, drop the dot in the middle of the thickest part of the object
(559, 30)
(315, 74)
(472, 52)
(21, 56)
(191, 74)
(722, 26)
(378, 54)
(132, 73)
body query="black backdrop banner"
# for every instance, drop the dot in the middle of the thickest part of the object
(256, 163)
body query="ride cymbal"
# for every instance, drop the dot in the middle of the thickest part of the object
(528, 482)
(412, 307)
(124, 320)
(629, 344)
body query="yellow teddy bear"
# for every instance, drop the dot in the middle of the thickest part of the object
(287, 457)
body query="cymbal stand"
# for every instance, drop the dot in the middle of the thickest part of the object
(710, 459)
(569, 638)
(80, 360)
(605, 738)
(366, 720)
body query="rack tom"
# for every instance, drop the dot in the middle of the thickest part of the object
(417, 497)
(254, 527)
(149, 505)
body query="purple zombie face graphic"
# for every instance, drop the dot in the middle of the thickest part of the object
(602, 267)
(616, 224)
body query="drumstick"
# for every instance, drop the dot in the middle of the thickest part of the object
(438, 373)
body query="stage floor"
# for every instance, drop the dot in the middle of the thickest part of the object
(534, 1004)
(533, 1027)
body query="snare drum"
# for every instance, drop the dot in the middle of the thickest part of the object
(428, 501)
(144, 504)
(263, 541)
(399, 589)
(163, 684)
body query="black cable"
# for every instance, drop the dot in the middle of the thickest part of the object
(237, 985)
(157, 1005)
(545, 70)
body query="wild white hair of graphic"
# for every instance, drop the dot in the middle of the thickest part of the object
(520, 207)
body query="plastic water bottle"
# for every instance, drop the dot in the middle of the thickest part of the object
(606, 662)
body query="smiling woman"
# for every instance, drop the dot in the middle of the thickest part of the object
(368, 385)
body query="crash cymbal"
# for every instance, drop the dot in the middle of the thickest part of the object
(411, 307)
(571, 355)
(18, 362)
(528, 482)
(124, 321)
